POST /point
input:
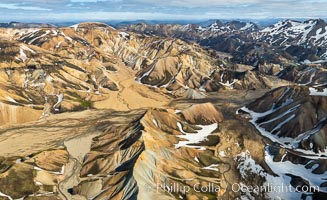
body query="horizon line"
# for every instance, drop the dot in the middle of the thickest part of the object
(159, 20)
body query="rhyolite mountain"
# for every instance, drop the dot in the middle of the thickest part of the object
(47, 70)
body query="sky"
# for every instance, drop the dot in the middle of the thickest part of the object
(106, 10)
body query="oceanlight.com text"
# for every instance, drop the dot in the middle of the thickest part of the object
(176, 187)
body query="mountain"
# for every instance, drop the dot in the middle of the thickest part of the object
(90, 64)
(25, 25)
(128, 156)
(294, 40)
(295, 119)
(312, 75)
(85, 66)
(192, 32)
(298, 38)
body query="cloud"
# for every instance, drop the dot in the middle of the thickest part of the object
(19, 7)
(86, 1)
(166, 9)
(198, 3)
(95, 1)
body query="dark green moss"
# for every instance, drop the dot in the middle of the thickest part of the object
(83, 103)
(19, 183)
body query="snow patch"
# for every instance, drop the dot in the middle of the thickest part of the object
(75, 27)
(60, 99)
(66, 37)
(177, 111)
(194, 138)
(41, 36)
(4, 195)
(246, 27)
(316, 92)
(146, 74)
(222, 153)
(22, 55)
(38, 183)
(247, 165)
(25, 48)
(155, 122)
(58, 45)
(212, 167)
(124, 35)
(283, 168)
(11, 99)
(255, 116)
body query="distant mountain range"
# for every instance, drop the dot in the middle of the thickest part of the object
(116, 23)
(302, 41)
(25, 25)
(247, 42)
